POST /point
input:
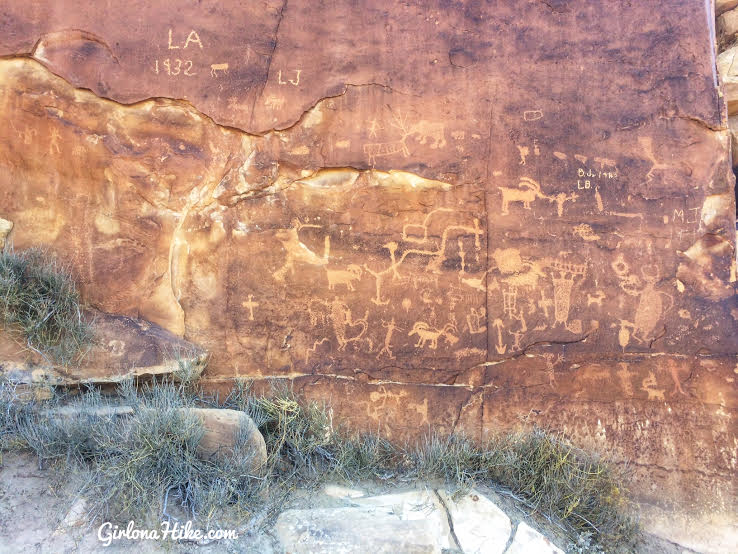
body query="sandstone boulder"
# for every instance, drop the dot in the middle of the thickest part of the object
(224, 429)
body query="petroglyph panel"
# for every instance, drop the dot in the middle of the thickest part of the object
(492, 206)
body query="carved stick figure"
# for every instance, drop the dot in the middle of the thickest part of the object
(388, 338)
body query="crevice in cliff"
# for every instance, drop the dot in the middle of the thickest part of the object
(275, 42)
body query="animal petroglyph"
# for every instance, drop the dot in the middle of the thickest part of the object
(526, 191)
(297, 251)
(294, 82)
(343, 276)
(429, 132)
(427, 334)
(214, 68)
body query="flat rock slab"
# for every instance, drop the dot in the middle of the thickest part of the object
(529, 541)
(355, 530)
(480, 527)
(122, 347)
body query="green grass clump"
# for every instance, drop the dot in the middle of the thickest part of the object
(40, 302)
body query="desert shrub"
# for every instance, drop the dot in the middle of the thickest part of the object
(40, 303)
(144, 466)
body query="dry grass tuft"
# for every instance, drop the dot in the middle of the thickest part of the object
(40, 303)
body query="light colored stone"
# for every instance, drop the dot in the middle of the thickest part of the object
(75, 517)
(529, 541)
(5, 228)
(727, 28)
(722, 6)
(337, 491)
(413, 506)
(728, 69)
(355, 530)
(479, 525)
(223, 429)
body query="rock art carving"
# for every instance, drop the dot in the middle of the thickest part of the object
(343, 276)
(427, 334)
(297, 251)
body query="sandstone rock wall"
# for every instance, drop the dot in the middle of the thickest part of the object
(468, 214)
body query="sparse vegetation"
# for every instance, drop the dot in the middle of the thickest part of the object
(144, 466)
(39, 302)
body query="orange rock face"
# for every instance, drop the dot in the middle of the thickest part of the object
(473, 215)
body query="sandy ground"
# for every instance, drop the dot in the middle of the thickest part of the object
(34, 503)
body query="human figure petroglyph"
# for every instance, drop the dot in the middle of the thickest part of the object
(427, 334)
(523, 151)
(647, 145)
(624, 376)
(374, 126)
(563, 275)
(297, 251)
(437, 256)
(54, 141)
(343, 276)
(250, 305)
(391, 328)
(551, 364)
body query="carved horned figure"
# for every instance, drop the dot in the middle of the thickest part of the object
(526, 192)
(427, 334)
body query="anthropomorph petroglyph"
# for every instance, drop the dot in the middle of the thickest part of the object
(387, 349)
(250, 305)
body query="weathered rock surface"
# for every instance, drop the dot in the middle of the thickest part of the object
(354, 530)
(479, 525)
(527, 541)
(121, 348)
(5, 228)
(474, 216)
(224, 429)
